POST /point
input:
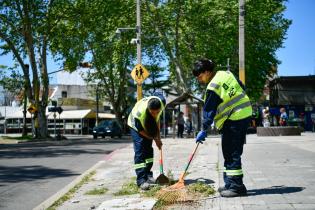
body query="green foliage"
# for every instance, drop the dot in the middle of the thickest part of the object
(201, 188)
(88, 31)
(128, 188)
(11, 80)
(20, 138)
(97, 191)
(187, 30)
(152, 191)
(156, 80)
(71, 192)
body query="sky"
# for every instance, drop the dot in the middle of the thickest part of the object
(297, 55)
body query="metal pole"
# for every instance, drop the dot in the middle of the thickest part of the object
(138, 30)
(5, 115)
(241, 41)
(164, 125)
(55, 124)
(97, 99)
(33, 125)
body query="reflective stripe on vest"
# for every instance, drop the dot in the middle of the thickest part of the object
(139, 165)
(235, 103)
(139, 112)
(150, 160)
(238, 172)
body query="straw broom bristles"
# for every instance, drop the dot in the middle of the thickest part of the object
(177, 192)
(174, 193)
(172, 196)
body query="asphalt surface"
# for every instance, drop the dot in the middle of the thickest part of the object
(32, 172)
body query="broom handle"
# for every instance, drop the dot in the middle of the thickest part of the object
(161, 162)
(190, 158)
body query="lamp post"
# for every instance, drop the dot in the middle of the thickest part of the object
(137, 41)
(241, 41)
(138, 26)
(97, 101)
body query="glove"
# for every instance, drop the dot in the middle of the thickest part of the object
(201, 136)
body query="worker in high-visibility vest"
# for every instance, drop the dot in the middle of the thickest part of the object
(228, 106)
(144, 123)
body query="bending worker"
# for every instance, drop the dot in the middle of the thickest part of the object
(144, 121)
(227, 104)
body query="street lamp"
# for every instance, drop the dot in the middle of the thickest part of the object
(241, 25)
(137, 41)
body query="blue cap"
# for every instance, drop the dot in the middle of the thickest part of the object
(160, 95)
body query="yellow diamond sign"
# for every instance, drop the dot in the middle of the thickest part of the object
(32, 109)
(139, 73)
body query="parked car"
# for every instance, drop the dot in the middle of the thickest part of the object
(109, 127)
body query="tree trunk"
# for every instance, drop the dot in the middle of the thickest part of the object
(42, 123)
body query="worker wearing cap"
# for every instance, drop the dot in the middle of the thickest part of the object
(144, 123)
(228, 106)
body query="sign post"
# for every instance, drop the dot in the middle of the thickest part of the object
(32, 110)
(139, 74)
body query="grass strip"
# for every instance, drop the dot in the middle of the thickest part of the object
(71, 192)
(97, 191)
(128, 188)
(201, 188)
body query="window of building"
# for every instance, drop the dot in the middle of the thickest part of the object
(64, 94)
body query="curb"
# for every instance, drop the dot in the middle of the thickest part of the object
(48, 202)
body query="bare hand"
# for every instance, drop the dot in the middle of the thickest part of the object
(158, 143)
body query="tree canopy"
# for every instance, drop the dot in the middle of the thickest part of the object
(174, 34)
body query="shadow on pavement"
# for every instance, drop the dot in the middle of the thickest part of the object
(274, 190)
(192, 181)
(31, 152)
(57, 149)
(29, 173)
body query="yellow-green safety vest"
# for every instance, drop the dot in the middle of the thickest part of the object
(235, 103)
(139, 112)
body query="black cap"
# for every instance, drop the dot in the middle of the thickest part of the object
(202, 65)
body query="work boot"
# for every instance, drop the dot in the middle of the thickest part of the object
(151, 180)
(220, 189)
(234, 193)
(145, 186)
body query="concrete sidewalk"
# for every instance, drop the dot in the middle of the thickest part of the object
(279, 173)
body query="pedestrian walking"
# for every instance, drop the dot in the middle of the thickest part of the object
(227, 104)
(144, 121)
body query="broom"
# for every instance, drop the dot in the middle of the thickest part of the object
(177, 192)
(162, 179)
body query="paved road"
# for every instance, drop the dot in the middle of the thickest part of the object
(32, 172)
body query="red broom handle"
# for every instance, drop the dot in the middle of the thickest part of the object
(191, 157)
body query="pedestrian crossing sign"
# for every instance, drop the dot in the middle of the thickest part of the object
(139, 73)
(32, 109)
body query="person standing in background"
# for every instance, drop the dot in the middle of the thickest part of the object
(283, 117)
(180, 125)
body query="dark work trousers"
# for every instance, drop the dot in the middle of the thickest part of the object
(180, 130)
(233, 139)
(143, 156)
